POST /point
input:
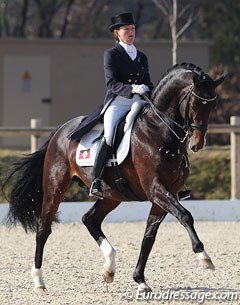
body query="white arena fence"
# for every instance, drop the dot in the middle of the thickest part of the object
(202, 210)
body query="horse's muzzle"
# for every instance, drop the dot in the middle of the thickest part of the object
(194, 148)
(197, 140)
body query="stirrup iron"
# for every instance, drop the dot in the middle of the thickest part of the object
(96, 189)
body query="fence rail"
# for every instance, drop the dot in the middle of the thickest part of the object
(223, 128)
(36, 132)
(25, 131)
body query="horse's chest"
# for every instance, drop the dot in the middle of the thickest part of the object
(175, 159)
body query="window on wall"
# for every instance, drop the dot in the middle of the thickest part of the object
(26, 82)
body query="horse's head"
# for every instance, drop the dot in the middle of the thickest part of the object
(200, 100)
(183, 100)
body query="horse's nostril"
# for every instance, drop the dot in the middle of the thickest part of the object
(194, 148)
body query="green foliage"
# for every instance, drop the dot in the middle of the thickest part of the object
(76, 193)
(4, 165)
(209, 175)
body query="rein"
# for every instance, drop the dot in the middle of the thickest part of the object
(159, 114)
(187, 126)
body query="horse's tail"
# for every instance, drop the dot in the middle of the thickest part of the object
(23, 189)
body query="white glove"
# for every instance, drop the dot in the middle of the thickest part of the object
(139, 89)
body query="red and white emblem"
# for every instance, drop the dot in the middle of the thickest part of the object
(84, 154)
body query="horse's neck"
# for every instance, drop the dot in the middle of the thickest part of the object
(164, 114)
(167, 106)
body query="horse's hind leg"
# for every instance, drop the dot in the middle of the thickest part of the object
(93, 220)
(54, 188)
(155, 218)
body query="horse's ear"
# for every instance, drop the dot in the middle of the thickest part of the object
(218, 81)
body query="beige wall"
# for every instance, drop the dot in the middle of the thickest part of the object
(76, 70)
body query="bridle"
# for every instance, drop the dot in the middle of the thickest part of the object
(188, 126)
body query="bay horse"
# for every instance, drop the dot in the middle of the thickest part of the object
(156, 168)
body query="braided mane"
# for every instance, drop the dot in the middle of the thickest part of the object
(172, 79)
(189, 66)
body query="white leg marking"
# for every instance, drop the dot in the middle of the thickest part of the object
(143, 287)
(202, 255)
(204, 261)
(37, 277)
(109, 254)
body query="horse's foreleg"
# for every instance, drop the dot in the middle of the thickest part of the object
(155, 218)
(93, 220)
(169, 203)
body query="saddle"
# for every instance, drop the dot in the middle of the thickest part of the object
(86, 151)
(85, 154)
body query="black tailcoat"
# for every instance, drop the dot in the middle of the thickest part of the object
(121, 72)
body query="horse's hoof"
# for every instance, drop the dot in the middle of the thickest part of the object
(108, 276)
(206, 264)
(144, 288)
(39, 290)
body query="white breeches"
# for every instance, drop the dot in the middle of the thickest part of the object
(116, 110)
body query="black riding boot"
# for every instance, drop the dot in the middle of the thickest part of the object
(99, 163)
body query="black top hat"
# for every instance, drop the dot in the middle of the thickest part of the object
(121, 19)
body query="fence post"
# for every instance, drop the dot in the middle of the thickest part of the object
(235, 160)
(35, 140)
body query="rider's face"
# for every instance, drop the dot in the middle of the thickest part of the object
(126, 33)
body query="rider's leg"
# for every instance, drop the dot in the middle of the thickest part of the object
(116, 110)
(101, 157)
(135, 109)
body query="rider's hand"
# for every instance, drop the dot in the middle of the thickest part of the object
(140, 89)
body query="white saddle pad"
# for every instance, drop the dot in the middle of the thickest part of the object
(86, 151)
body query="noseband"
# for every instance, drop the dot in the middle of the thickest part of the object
(188, 127)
